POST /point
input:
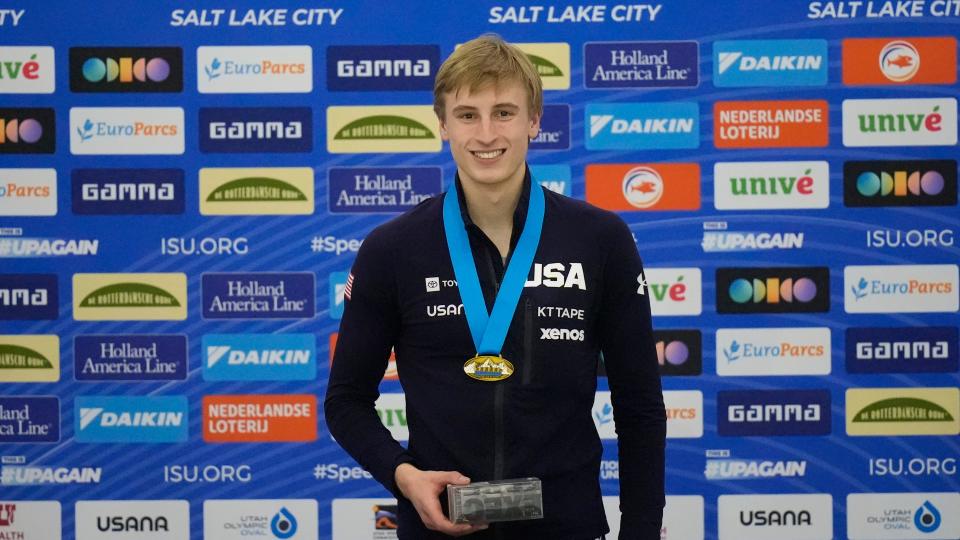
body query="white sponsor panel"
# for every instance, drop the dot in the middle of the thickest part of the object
(364, 519)
(682, 517)
(765, 517)
(266, 69)
(133, 520)
(684, 414)
(771, 185)
(900, 122)
(773, 351)
(30, 520)
(392, 409)
(906, 288)
(242, 519)
(27, 70)
(28, 192)
(674, 291)
(902, 516)
(126, 130)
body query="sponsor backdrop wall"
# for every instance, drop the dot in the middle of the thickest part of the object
(182, 193)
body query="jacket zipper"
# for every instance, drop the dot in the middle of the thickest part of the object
(527, 341)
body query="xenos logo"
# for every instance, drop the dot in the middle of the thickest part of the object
(773, 290)
(900, 61)
(29, 358)
(402, 128)
(263, 191)
(657, 186)
(903, 411)
(254, 69)
(900, 183)
(126, 69)
(900, 122)
(900, 288)
(27, 131)
(129, 297)
(27, 70)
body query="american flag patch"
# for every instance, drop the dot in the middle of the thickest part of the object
(348, 288)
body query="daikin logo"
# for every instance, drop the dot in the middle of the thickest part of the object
(642, 125)
(259, 357)
(151, 419)
(786, 62)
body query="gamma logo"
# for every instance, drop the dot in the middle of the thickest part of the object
(900, 183)
(773, 290)
(126, 69)
(900, 122)
(653, 186)
(642, 64)
(27, 131)
(771, 185)
(774, 62)
(773, 413)
(381, 67)
(771, 124)
(642, 126)
(130, 419)
(903, 516)
(127, 191)
(29, 297)
(126, 130)
(903, 411)
(888, 61)
(397, 128)
(27, 70)
(259, 357)
(130, 297)
(256, 130)
(29, 358)
(552, 62)
(256, 191)
(929, 349)
(255, 69)
(918, 288)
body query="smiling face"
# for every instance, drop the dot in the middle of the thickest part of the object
(489, 131)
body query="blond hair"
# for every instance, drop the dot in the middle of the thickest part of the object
(485, 61)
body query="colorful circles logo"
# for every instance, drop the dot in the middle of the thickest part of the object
(642, 187)
(743, 291)
(870, 184)
(899, 61)
(125, 69)
(27, 130)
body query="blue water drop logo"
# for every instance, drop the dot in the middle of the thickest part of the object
(927, 517)
(283, 525)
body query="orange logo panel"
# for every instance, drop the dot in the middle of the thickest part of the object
(260, 418)
(389, 375)
(771, 124)
(913, 60)
(625, 187)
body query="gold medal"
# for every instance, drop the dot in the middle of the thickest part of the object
(488, 368)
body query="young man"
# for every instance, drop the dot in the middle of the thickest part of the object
(498, 298)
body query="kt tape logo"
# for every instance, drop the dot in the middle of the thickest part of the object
(900, 183)
(889, 61)
(774, 62)
(773, 290)
(126, 69)
(27, 131)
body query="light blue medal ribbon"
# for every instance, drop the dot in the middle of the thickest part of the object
(489, 331)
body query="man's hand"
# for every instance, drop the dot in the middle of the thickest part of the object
(423, 489)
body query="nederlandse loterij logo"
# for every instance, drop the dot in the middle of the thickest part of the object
(28, 192)
(27, 70)
(921, 288)
(130, 357)
(642, 64)
(256, 129)
(642, 126)
(886, 61)
(903, 411)
(771, 124)
(773, 351)
(260, 418)
(643, 186)
(27, 131)
(126, 69)
(900, 183)
(771, 185)
(259, 357)
(126, 130)
(255, 69)
(900, 122)
(773, 412)
(353, 68)
(256, 191)
(773, 290)
(139, 419)
(774, 62)
(927, 349)
(400, 128)
(127, 191)
(29, 297)
(130, 297)
(29, 358)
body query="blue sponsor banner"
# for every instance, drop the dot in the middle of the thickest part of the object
(258, 295)
(130, 419)
(127, 191)
(131, 357)
(29, 297)
(376, 190)
(773, 62)
(338, 282)
(34, 419)
(931, 349)
(641, 64)
(554, 129)
(257, 129)
(259, 357)
(642, 126)
(553, 177)
(382, 67)
(773, 412)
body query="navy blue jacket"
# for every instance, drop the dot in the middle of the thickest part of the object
(582, 296)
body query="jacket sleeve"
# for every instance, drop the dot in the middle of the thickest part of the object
(368, 329)
(629, 355)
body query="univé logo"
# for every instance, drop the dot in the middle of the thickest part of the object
(773, 290)
(900, 122)
(401, 128)
(126, 69)
(673, 291)
(899, 61)
(654, 186)
(27, 131)
(763, 185)
(27, 70)
(130, 297)
(903, 411)
(900, 183)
